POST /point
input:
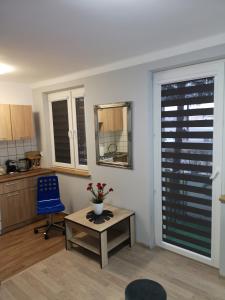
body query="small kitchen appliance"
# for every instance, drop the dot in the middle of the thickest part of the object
(2, 170)
(11, 166)
(23, 164)
(35, 158)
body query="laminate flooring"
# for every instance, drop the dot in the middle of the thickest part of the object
(22, 248)
(71, 275)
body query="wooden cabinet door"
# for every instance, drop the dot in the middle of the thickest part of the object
(107, 120)
(31, 203)
(28, 120)
(5, 122)
(18, 207)
(117, 119)
(22, 121)
(18, 124)
(111, 119)
(12, 208)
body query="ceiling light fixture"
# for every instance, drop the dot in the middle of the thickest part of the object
(4, 69)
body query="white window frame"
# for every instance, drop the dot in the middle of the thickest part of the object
(69, 96)
(77, 93)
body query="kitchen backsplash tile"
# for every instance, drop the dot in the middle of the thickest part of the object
(12, 151)
(3, 144)
(16, 149)
(11, 144)
(118, 139)
(20, 143)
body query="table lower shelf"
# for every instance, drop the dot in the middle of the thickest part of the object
(114, 239)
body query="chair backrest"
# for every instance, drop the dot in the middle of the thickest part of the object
(48, 191)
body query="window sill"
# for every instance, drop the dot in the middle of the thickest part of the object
(75, 172)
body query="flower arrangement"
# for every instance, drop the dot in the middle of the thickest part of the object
(99, 192)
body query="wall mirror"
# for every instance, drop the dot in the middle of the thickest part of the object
(113, 134)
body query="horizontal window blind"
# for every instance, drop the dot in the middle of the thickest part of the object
(81, 134)
(187, 110)
(60, 131)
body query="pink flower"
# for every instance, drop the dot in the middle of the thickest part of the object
(97, 191)
(99, 186)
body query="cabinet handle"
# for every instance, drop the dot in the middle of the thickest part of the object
(10, 183)
(13, 194)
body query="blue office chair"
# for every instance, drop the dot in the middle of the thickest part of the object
(48, 203)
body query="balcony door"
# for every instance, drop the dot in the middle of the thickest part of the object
(188, 146)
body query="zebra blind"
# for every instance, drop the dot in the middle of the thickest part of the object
(81, 134)
(60, 131)
(186, 155)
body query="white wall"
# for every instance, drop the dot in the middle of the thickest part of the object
(15, 93)
(133, 188)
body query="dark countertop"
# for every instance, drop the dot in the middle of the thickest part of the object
(31, 173)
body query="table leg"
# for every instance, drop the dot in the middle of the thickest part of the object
(104, 249)
(132, 231)
(68, 235)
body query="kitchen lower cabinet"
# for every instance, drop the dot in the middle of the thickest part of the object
(30, 203)
(15, 200)
(18, 200)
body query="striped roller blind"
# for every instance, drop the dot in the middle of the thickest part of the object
(81, 134)
(187, 145)
(61, 128)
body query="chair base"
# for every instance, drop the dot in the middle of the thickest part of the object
(50, 225)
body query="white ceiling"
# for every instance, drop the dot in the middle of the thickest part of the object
(50, 38)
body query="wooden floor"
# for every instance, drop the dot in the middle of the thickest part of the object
(72, 275)
(22, 248)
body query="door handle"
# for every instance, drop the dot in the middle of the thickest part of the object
(74, 133)
(70, 133)
(214, 175)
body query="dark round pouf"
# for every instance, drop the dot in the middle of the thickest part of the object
(144, 289)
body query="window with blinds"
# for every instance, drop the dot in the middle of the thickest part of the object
(67, 123)
(186, 157)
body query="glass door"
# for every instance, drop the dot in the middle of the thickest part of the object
(187, 113)
(189, 168)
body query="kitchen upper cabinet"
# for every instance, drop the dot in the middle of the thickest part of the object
(16, 122)
(22, 121)
(110, 119)
(28, 118)
(5, 123)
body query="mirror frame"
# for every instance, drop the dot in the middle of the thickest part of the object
(128, 165)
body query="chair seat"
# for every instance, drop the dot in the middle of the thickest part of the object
(50, 209)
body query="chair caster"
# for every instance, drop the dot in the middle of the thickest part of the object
(46, 236)
(35, 230)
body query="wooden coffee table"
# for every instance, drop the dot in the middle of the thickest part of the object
(100, 238)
